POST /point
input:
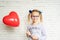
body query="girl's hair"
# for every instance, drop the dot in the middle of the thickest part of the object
(30, 12)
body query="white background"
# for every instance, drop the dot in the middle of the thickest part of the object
(51, 17)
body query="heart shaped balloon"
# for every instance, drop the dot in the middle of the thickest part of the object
(12, 19)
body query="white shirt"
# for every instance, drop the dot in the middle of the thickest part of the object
(37, 30)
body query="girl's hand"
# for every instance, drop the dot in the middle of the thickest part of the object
(34, 37)
(28, 33)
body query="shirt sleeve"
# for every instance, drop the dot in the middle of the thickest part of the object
(43, 32)
(28, 28)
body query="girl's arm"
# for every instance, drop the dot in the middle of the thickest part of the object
(28, 33)
(43, 32)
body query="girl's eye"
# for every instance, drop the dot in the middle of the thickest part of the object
(35, 16)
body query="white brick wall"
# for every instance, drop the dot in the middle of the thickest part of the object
(51, 15)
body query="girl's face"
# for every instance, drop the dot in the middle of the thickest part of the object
(35, 16)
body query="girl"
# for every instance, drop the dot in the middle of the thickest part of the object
(35, 30)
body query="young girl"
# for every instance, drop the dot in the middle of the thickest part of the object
(35, 31)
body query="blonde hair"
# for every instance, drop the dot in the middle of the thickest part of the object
(29, 15)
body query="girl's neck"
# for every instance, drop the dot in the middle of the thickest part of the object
(35, 23)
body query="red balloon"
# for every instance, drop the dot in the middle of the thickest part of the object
(11, 20)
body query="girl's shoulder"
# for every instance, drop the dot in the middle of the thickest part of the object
(29, 26)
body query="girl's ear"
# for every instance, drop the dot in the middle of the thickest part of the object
(29, 16)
